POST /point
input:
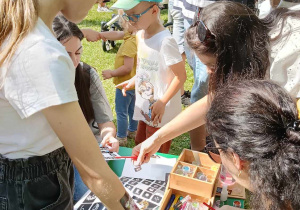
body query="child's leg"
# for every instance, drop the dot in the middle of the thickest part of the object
(122, 104)
(164, 148)
(132, 123)
(141, 133)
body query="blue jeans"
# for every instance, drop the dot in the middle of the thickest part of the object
(125, 109)
(200, 87)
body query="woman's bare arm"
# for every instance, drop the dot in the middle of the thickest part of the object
(69, 124)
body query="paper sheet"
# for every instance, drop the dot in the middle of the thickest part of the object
(109, 155)
(156, 169)
(147, 194)
(146, 187)
(89, 201)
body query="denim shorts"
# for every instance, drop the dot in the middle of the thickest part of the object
(40, 182)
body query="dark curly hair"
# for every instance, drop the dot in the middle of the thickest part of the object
(240, 42)
(258, 121)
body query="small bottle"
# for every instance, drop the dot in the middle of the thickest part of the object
(224, 195)
(186, 170)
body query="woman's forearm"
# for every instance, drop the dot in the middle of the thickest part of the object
(70, 126)
(190, 118)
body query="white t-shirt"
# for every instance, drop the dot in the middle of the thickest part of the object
(285, 55)
(153, 75)
(40, 74)
(265, 7)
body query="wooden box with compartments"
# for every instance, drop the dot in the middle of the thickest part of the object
(194, 174)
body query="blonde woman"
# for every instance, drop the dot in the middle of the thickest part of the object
(42, 125)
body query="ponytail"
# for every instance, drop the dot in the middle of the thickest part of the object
(17, 19)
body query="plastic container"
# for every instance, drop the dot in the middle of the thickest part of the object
(225, 177)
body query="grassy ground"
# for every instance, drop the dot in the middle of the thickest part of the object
(96, 57)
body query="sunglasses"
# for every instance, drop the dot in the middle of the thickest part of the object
(213, 152)
(204, 34)
(135, 17)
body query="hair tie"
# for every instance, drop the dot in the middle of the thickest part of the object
(294, 125)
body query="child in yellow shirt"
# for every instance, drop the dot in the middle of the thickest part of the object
(124, 69)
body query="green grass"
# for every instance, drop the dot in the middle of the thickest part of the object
(100, 60)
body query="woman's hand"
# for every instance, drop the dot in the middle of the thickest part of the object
(146, 149)
(126, 85)
(111, 143)
(107, 74)
(108, 133)
(157, 111)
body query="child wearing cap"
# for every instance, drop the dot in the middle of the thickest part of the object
(160, 69)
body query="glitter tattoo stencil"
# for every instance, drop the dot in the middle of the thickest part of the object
(109, 155)
(146, 193)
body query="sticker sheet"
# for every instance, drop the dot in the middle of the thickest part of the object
(109, 155)
(89, 202)
(146, 193)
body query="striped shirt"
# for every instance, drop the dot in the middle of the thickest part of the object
(189, 7)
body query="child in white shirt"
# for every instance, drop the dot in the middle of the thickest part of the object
(160, 69)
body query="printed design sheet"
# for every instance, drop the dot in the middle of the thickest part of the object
(109, 155)
(89, 202)
(146, 193)
(146, 187)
